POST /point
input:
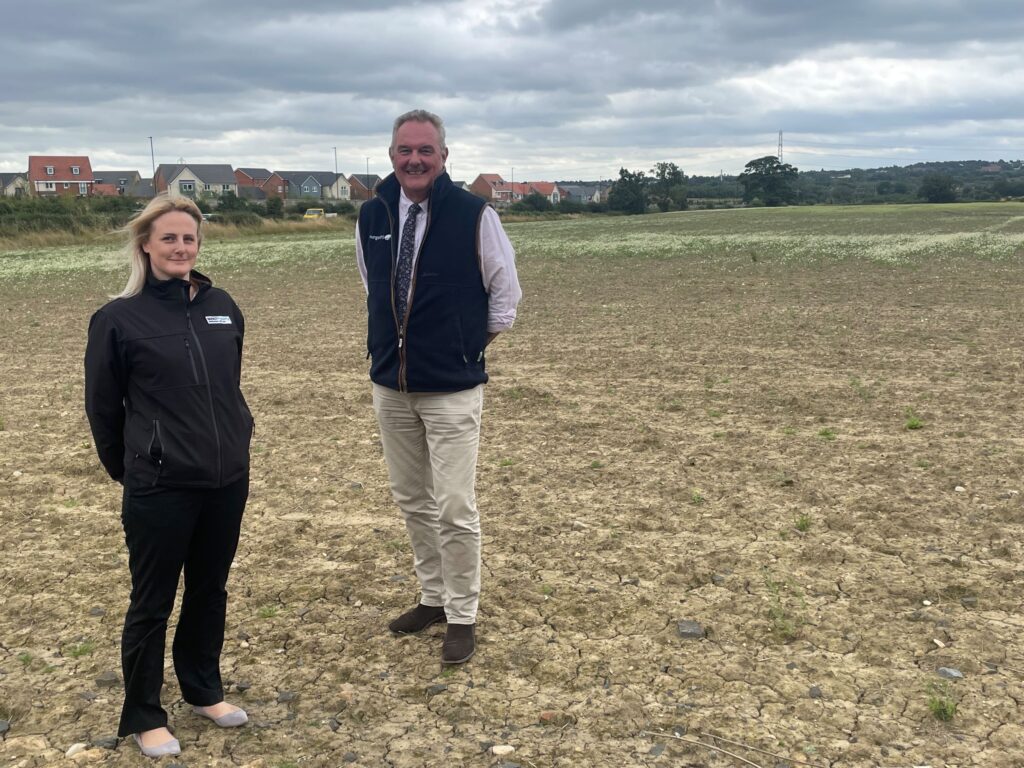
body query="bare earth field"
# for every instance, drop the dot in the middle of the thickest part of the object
(799, 429)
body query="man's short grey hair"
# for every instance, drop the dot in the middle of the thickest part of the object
(419, 116)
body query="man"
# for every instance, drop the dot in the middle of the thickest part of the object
(441, 284)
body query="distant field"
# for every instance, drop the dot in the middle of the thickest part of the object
(798, 428)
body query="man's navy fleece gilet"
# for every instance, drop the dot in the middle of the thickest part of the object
(443, 349)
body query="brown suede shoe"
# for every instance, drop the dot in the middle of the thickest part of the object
(418, 619)
(459, 644)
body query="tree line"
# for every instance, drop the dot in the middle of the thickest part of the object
(767, 181)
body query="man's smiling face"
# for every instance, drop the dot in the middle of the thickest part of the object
(417, 157)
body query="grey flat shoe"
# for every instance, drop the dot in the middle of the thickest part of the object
(171, 747)
(230, 720)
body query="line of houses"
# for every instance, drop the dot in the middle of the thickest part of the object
(493, 188)
(53, 175)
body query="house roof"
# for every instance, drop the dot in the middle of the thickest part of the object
(62, 164)
(492, 178)
(114, 177)
(8, 178)
(142, 188)
(580, 190)
(255, 173)
(323, 178)
(515, 187)
(251, 193)
(208, 174)
(543, 187)
(368, 182)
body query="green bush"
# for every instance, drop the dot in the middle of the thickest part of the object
(570, 206)
(274, 208)
(530, 203)
(68, 214)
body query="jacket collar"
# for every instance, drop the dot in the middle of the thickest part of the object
(175, 288)
(389, 189)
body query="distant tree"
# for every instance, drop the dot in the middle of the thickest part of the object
(667, 187)
(843, 192)
(629, 193)
(937, 188)
(1009, 188)
(769, 180)
(275, 207)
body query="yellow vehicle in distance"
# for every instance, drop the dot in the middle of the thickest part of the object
(313, 213)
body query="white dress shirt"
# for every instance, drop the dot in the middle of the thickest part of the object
(497, 264)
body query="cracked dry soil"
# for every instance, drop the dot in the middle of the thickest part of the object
(656, 433)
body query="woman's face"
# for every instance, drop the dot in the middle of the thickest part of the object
(172, 245)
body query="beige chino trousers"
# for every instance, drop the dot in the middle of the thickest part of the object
(430, 445)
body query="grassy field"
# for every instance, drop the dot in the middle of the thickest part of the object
(797, 429)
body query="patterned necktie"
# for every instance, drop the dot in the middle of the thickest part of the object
(405, 253)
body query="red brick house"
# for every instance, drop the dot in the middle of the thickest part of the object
(251, 177)
(485, 185)
(275, 186)
(361, 185)
(51, 175)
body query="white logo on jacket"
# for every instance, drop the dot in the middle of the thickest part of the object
(218, 320)
(381, 237)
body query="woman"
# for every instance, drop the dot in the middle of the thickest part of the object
(162, 370)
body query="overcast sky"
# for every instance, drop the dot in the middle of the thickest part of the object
(556, 89)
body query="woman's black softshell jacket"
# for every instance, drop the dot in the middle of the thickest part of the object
(162, 394)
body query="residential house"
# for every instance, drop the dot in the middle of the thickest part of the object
(340, 189)
(142, 189)
(362, 185)
(251, 177)
(13, 185)
(318, 185)
(51, 175)
(547, 189)
(485, 185)
(195, 180)
(495, 190)
(275, 186)
(582, 193)
(113, 183)
(251, 181)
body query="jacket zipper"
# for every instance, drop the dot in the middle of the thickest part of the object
(403, 384)
(209, 386)
(399, 327)
(192, 360)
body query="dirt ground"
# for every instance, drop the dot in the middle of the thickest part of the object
(665, 441)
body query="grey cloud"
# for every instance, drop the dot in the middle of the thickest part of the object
(525, 80)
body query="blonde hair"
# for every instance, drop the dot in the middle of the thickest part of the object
(419, 116)
(138, 230)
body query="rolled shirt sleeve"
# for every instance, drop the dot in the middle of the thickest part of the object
(498, 271)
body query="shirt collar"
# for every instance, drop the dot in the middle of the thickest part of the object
(404, 203)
